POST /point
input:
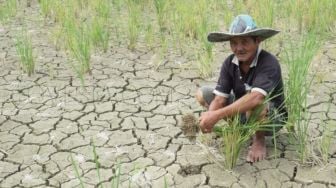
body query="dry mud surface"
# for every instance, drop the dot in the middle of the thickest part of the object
(132, 114)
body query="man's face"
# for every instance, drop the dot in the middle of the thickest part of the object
(244, 48)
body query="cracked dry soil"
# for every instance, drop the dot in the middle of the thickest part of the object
(131, 113)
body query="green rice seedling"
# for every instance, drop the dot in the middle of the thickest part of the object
(61, 11)
(58, 37)
(160, 56)
(46, 7)
(205, 56)
(75, 167)
(100, 34)
(24, 49)
(264, 14)
(78, 43)
(178, 36)
(8, 9)
(165, 184)
(95, 159)
(103, 9)
(319, 16)
(238, 7)
(117, 4)
(80, 47)
(326, 140)
(298, 59)
(82, 3)
(160, 7)
(133, 22)
(116, 179)
(149, 35)
(204, 64)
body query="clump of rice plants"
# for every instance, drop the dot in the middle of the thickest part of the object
(233, 139)
(298, 60)
(78, 43)
(24, 49)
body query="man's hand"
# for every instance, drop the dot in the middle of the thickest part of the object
(208, 120)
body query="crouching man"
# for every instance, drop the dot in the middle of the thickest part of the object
(249, 75)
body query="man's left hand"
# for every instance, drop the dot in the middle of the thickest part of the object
(208, 120)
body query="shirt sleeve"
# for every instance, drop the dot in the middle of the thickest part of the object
(267, 78)
(224, 84)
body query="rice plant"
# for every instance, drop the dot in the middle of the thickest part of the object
(205, 56)
(133, 22)
(234, 136)
(102, 8)
(24, 49)
(80, 47)
(298, 59)
(116, 179)
(160, 7)
(95, 159)
(75, 167)
(264, 13)
(46, 7)
(326, 140)
(8, 9)
(149, 35)
(100, 34)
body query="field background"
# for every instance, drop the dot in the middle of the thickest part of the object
(111, 113)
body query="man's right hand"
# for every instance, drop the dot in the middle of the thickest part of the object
(208, 120)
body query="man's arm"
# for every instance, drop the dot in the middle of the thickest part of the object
(217, 103)
(246, 103)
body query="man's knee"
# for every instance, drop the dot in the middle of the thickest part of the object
(200, 99)
(204, 95)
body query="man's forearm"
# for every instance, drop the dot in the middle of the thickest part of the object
(242, 105)
(217, 103)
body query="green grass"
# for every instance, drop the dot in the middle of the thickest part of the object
(24, 49)
(8, 10)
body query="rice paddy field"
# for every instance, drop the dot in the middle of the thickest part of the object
(97, 94)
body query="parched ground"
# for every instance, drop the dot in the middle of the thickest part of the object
(131, 113)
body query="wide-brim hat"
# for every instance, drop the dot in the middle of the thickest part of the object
(242, 25)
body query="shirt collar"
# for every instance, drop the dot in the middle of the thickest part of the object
(254, 62)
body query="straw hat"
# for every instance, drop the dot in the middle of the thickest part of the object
(242, 25)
